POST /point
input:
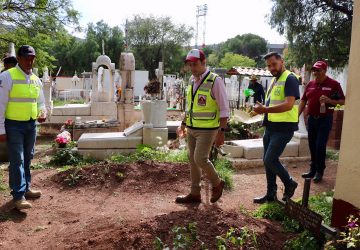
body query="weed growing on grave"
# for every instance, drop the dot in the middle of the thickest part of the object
(73, 178)
(66, 156)
(184, 238)
(238, 238)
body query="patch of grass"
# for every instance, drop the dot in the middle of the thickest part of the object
(275, 211)
(304, 241)
(64, 168)
(322, 204)
(225, 171)
(332, 155)
(57, 102)
(37, 166)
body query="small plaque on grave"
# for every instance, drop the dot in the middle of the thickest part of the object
(307, 218)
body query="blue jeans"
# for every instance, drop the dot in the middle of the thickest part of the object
(274, 145)
(20, 142)
(318, 134)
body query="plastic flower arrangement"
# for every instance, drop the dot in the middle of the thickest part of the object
(69, 124)
(63, 139)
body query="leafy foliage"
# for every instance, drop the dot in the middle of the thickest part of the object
(237, 238)
(230, 60)
(304, 241)
(154, 39)
(66, 156)
(315, 29)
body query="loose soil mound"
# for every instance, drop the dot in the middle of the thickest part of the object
(146, 176)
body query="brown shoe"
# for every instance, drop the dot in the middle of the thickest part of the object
(33, 194)
(217, 192)
(22, 204)
(190, 198)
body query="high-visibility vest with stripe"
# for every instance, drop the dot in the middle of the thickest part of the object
(202, 110)
(22, 104)
(277, 96)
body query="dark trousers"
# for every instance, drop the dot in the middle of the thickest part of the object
(274, 145)
(318, 133)
(20, 142)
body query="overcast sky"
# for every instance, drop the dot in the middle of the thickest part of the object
(225, 18)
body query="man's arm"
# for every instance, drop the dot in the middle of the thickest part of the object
(302, 106)
(219, 93)
(5, 82)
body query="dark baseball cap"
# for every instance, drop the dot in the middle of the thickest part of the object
(194, 55)
(320, 65)
(26, 50)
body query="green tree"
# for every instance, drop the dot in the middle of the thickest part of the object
(315, 29)
(213, 60)
(249, 45)
(230, 60)
(154, 39)
(35, 22)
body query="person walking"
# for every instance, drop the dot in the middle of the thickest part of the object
(21, 104)
(321, 96)
(280, 121)
(9, 62)
(206, 118)
(259, 94)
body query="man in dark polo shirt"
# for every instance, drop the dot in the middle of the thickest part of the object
(280, 121)
(321, 96)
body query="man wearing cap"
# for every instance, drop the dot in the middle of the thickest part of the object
(259, 94)
(280, 121)
(9, 62)
(206, 117)
(21, 104)
(321, 96)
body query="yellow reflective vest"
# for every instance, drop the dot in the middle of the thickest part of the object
(277, 96)
(202, 110)
(22, 104)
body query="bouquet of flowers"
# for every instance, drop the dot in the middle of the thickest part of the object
(63, 139)
(69, 124)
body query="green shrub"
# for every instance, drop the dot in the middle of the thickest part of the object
(66, 156)
(332, 155)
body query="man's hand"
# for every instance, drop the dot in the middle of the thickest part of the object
(325, 99)
(220, 138)
(3, 138)
(259, 108)
(181, 132)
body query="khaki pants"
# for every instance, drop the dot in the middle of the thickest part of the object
(199, 146)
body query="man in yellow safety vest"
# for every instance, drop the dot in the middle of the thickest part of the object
(280, 121)
(21, 104)
(206, 118)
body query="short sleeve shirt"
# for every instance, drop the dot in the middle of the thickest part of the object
(291, 89)
(313, 92)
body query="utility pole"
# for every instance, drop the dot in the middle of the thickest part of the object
(201, 11)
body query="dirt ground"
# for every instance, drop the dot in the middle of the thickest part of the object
(127, 206)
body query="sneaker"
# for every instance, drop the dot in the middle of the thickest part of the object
(33, 194)
(190, 198)
(217, 192)
(289, 190)
(22, 204)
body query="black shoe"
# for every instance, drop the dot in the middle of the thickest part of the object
(264, 199)
(310, 174)
(289, 190)
(318, 177)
